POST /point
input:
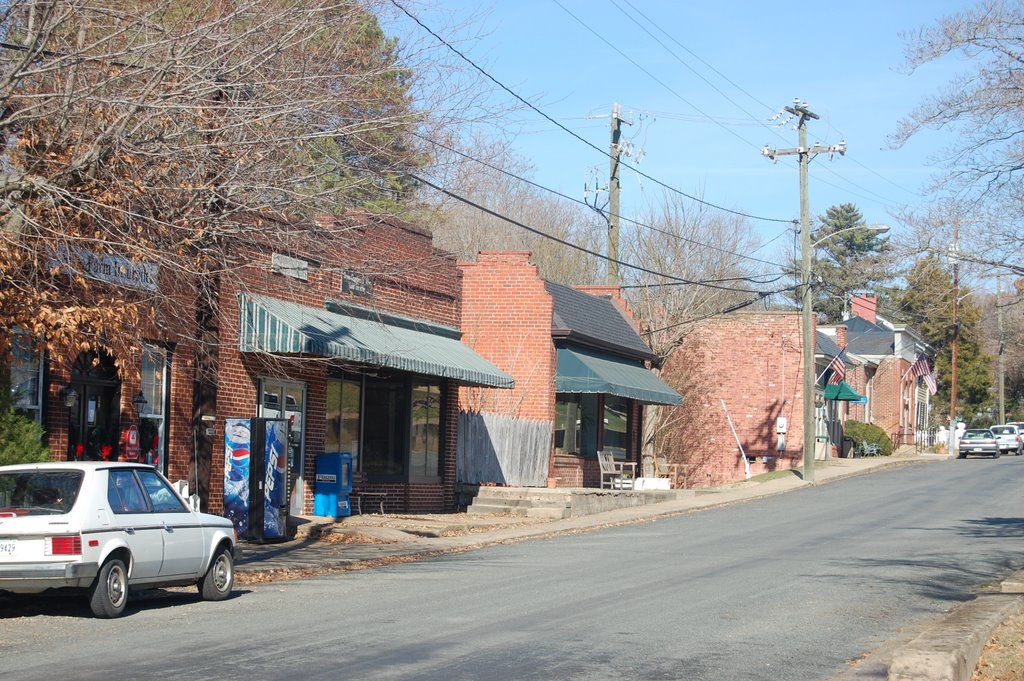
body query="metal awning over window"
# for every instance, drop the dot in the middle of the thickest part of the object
(842, 392)
(280, 327)
(588, 371)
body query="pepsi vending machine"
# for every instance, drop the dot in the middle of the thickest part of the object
(256, 476)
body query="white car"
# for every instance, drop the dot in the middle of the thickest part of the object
(1009, 438)
(109, 528)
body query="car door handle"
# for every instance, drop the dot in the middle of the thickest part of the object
(129, 530)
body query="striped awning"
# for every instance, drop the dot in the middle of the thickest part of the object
(588, 371)
(276, 326)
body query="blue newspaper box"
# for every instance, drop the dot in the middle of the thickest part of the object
(333, 487)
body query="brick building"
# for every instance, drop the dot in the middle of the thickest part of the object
(882, 353)
(354, 339)
(744, 367)
(580, 368)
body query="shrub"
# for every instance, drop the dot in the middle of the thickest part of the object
(21, 439)
(870, 433)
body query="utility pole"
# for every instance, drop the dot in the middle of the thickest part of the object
(955, 256)
(613, 195)
(803, 114)
(1002, 356)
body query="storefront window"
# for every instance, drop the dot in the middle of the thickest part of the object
(385, 427)
(425, 435)
(567, 423)
(152, 422)
(616, 422)
(344, 406)
(26, 379)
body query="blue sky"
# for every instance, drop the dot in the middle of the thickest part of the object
(702, 98)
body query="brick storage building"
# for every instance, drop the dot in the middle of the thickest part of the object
(354, 339)
(580, 370)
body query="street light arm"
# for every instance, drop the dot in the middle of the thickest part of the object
(877, 229)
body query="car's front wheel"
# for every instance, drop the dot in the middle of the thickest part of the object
(108, 594)
(219, 579)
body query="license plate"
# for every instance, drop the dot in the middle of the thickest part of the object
(977, 449)
(8, 546)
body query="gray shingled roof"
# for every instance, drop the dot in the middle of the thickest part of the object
(825, 345)
(595, 321)
(865, 338)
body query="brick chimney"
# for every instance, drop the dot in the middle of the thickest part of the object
(865, 306)
(841, 336)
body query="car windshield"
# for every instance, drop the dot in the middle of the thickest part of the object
(38, 492)
(977, 435)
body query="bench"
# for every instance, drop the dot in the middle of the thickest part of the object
(615, 474)
(377, 497)
(869, 449)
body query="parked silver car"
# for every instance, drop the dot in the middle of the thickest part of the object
(1009, 437)
(979, 441)
(108, 528)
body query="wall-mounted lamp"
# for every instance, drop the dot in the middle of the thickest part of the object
(139, 402)
(70, 398)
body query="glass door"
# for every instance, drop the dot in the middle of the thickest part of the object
(287, 400)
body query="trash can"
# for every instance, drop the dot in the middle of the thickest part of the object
(821, 446)
(333, 488)
(849, 449)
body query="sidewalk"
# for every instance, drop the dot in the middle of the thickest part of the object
(323, 544)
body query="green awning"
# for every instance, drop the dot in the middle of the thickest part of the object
(843, 392)
(589, 371)
(279, 327)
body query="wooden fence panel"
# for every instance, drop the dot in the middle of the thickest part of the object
(502, 449)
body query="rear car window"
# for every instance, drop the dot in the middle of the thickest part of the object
(38, 492)
(1004, 431)
(977, 435)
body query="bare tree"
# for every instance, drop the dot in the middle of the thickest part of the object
(167, 133)
(488, 174)
(984, 109)
(702, 249)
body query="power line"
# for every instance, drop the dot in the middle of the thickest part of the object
(584, 203)
(541, 233)
(754, 119)
(655, 78)
(567, 130)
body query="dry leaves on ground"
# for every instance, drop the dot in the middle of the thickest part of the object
(1003, 657)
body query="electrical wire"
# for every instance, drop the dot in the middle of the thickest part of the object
(584, 203)
(601, 256)
(603, 152)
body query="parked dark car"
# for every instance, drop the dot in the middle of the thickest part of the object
(1009, 436)
(980, 441)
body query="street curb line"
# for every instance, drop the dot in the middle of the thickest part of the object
(950, 649)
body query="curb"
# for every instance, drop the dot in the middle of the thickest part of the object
(950, 650)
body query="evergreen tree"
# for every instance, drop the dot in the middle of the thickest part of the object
(927, 304)
(852, 260)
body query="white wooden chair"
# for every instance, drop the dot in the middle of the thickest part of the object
(615, 474)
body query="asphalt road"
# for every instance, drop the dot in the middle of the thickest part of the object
(791, 587)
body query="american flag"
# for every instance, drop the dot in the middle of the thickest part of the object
(921, 368)
(838, 368)
(929, 380)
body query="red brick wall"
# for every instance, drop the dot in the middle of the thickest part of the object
(752, 360)
(506, 317)
(892, 393)
(409, 277)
